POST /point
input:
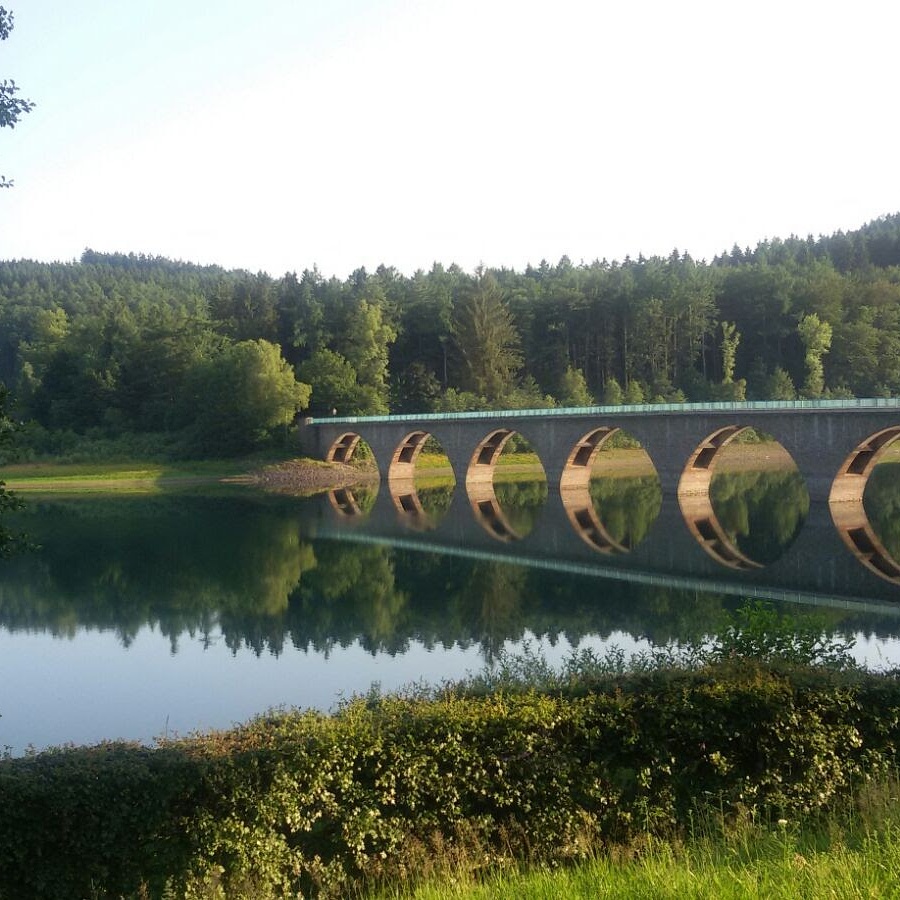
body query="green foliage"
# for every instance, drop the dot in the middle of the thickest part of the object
(487, 340)
(103, 565)
(415, 389)
(300, 802)
(241, 395)
(761, 511)
(334, 382)
(731, 391)
(111, 344)
(573, 390)
(335, 385)
(780, 386)
(634, 393)
(882, 505)
(816, 338)
(613, 395)
(460, 401)
(761, 633)
(12, 107)
(854, 851)
(627, 507)
(526, 394)
(364, 342)
(731, 337)
(8, 501)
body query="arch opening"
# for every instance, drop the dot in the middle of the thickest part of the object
(420, 480)
(506, 485)
(865, 503)
(610, 490)
(343, 449)
(355, 500)
(351, 450)
(743, 498)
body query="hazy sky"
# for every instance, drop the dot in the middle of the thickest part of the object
(286, 133)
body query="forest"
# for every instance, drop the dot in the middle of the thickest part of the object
(159, 356)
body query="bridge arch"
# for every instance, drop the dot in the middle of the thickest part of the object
(401, 479)
(580, 461)
(818, 435)
(343, 447)
(575, 493)
(486, 453)
(696, 503)
(482, 496)
(848, 512)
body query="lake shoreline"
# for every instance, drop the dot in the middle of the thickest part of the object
(299, 475)
(302, 475)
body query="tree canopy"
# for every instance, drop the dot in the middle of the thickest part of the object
(118, 344)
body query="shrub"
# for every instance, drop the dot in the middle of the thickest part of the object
(314, 803)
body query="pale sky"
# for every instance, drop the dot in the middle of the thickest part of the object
(281, 134)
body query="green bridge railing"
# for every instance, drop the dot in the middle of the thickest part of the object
(637, 409)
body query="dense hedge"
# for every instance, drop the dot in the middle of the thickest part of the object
(314, 804)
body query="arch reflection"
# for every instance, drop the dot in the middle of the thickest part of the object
(402, 481)
(352, 502)
(848, 510)
(604, 507)
(483, 497)
(696, 503)
(744, 503)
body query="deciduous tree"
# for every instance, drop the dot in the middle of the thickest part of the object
(573, 390)
(816, 338)
(242, 394)
(12, 107)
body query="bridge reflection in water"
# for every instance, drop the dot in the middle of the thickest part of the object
(685, 547)
(834, 445)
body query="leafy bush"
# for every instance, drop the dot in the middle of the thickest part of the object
(760, 632)
(314, 803)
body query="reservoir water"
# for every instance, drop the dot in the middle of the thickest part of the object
(143, 615)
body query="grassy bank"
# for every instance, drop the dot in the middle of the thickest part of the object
(433, 469)
(853, 852)
(630, 462)
(131, 475)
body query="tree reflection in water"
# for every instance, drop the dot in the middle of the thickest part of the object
(761, 511)
(435, 499)
(244, 570)
(627, 506)
(881, 502)
(521, 502)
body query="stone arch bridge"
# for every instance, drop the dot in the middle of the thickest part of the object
(835, 445)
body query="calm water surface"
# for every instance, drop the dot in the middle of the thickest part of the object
(146, 615)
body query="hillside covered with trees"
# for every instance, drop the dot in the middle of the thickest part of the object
(200, 360)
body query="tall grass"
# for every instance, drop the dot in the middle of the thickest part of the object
(853, 852)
